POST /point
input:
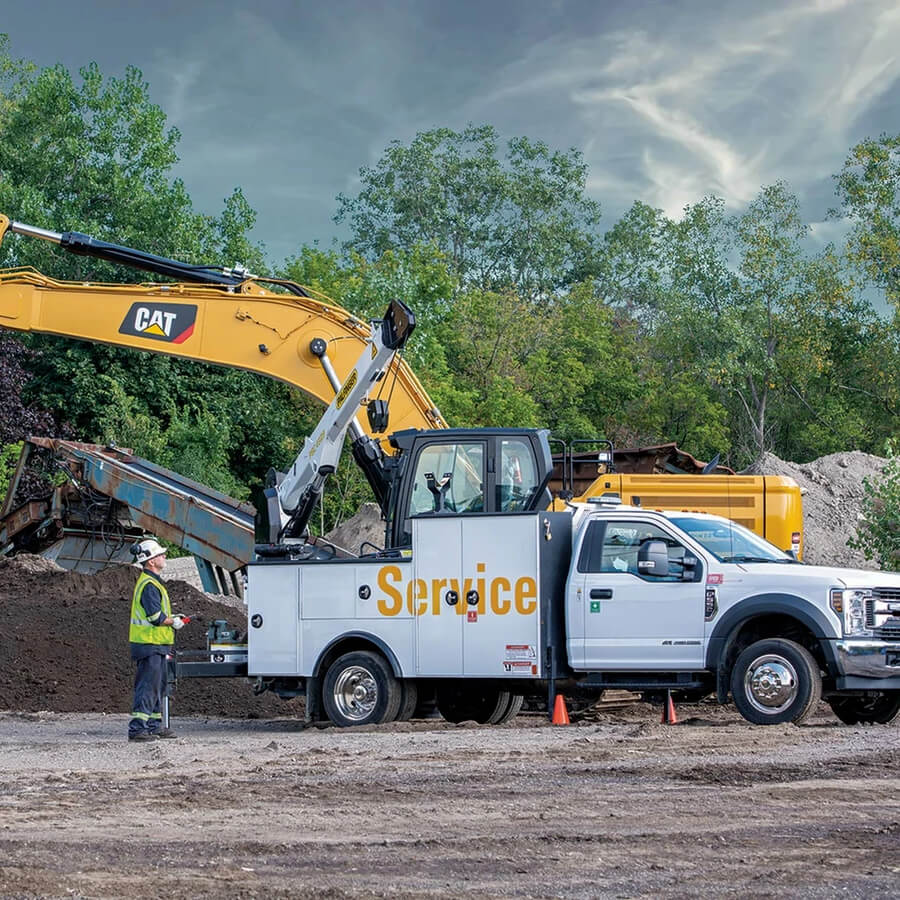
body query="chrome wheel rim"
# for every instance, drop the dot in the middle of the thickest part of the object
(771, 684)
(355, 693)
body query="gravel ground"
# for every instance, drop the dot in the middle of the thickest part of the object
(617, 806)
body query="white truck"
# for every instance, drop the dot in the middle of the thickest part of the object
(485, 608)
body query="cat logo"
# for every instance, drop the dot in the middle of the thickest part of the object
(170, 322)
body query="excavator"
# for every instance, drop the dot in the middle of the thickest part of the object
(282, 330)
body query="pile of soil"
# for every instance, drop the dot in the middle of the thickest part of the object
(64, 644)
(832, 489)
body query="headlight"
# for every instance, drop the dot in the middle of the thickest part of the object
(851, 607)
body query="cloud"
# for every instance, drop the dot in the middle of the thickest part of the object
(713, 98)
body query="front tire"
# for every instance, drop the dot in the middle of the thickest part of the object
(360, 689)
(775, 681)
(871, 709)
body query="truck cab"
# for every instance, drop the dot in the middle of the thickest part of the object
(668, 598)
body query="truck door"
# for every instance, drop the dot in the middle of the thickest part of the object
(440, 610)
(632, 621)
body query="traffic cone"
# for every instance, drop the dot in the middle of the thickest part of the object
(560, 713)
(668, 713)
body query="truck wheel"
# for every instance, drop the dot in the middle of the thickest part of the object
(360, 689)
(511, 711)
(409, 700)
(881, 709)
(472, 701)
(775, 681)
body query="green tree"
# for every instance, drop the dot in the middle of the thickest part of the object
(94, 154)
(879, 535)
(519, 223)
(868, 188)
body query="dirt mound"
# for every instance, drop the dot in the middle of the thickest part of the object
(366, 526)
(33, 564)
(64, 645)
(832, 501)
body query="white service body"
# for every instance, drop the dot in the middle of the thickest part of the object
(466, 602)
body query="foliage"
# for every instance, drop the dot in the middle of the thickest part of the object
(521, 223)
(868, 187)
(9, 457)
(19, 419)
(879, 535)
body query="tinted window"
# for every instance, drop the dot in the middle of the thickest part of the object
(614, 549)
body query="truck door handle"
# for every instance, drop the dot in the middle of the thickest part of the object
(601, 593)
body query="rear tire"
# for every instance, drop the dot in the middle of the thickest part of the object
(511, 711)
(360, 689)
(878, 709)
(409, 700)
(775, 681)
(472, 701)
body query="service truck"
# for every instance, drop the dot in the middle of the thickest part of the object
(486, 608)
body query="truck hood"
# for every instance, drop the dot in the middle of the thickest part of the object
(786, 574)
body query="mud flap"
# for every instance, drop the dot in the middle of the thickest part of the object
(313, 700)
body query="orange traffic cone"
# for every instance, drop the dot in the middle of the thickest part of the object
(560, 713)
(668, 714)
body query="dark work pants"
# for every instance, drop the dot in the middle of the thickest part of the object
(149, 689)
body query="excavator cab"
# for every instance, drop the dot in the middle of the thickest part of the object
(460, 471)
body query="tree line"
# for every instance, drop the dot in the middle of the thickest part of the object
(728, 333)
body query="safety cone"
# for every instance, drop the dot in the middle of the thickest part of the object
(668, 713)
(560, 713)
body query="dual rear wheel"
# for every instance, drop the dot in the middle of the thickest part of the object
(359, 688)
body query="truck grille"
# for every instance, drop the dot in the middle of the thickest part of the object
(870, 613)
(890, 630)
(889, 595)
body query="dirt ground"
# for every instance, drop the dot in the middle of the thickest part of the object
(617, 806)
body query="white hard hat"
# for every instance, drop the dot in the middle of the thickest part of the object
(146, 550)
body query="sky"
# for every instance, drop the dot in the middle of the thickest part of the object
(667, 101)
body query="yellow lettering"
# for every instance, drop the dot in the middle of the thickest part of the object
(417, 590)
(393, 603)
(498, 606)
(479, 586)
(436, 585)
(462, 606)
(526, 596)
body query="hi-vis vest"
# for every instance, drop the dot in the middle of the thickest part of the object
(142, 630)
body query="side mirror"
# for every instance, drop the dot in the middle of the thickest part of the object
(653, 558)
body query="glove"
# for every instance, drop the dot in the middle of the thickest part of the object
(178, 622)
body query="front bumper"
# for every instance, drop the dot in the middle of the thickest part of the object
(867, 664)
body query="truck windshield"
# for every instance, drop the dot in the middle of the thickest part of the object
(730, 542)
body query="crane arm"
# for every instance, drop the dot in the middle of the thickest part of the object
(214, 316)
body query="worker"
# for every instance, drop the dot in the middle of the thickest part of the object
(151, 634)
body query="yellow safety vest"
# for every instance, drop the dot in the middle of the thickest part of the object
(142, 630)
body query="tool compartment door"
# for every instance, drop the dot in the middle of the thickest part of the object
(437, 562)
(272, 613)
(499, 593)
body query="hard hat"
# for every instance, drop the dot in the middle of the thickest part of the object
(146, 550)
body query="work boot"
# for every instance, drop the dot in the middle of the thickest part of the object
(164, 733)
(142, 736)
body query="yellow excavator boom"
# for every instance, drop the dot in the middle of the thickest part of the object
(246, 326)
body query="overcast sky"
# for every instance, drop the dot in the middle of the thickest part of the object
(668, 101)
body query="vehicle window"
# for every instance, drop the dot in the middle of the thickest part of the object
(618, 552)
(517, 475)
(464, 493)
(730, 542)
